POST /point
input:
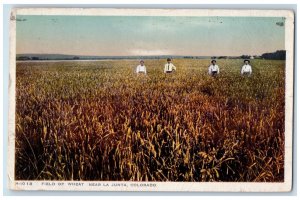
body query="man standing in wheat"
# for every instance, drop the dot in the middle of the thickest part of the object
(169, 67)
(246, 69)
(141, 69)
(213, 69)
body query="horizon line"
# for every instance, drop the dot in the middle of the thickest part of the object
(170, 55)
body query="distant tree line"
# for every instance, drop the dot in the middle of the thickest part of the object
(245, 56)
(30, 58)
(23, 58)
(278, 55)
(43, 58)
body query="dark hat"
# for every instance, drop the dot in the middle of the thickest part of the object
(168, 59)
(247, 60)
(213, 60)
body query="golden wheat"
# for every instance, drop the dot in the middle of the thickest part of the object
(97, 120)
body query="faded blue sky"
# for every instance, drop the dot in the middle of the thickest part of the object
(146, 35)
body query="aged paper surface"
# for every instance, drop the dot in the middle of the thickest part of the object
(83, 117)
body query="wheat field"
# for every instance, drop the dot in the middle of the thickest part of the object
(98, 120)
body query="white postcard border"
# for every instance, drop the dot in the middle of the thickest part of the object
(155, 186)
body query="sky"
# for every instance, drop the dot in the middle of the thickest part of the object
(149, 35)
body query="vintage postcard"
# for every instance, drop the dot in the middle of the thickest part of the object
(151, 100)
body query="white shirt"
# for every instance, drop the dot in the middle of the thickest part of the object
(246, 69)
(213, 68)
(169, 67)
(141, 69)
